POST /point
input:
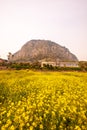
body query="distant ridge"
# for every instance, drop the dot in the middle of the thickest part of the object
(42, 50)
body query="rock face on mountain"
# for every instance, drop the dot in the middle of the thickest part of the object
(42, 50)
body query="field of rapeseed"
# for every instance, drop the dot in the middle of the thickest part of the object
(43, 100)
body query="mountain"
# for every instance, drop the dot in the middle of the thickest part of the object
(42, 50)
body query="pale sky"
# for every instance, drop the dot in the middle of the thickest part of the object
(61, 21)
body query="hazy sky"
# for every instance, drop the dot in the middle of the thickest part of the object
(61, 21)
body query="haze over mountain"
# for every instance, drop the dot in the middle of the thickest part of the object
(42, 50)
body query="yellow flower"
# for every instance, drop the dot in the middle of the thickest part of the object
(28, 124)
(40, 118)
(31, 128)
(53, 113)
(41, 126)
(26, 118)
(8, 114)
(24, 114)
(34, 124)
(41, 97)
(31, 119)
(3, 128)
(12, 128)
(77, 128)
(12, 103)
(44, 115)
(83, 127)
(21, 125)
(9, 122)
(19, 103)
(0, 122)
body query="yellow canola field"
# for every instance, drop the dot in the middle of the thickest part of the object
(43, 100)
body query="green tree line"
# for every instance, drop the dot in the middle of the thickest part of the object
(37, 66)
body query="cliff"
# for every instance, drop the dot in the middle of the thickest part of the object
(42, 50)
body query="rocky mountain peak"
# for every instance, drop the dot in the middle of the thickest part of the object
(42, 50)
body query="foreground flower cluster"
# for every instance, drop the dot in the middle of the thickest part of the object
(43, 100)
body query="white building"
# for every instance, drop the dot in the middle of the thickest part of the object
(61, 64)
